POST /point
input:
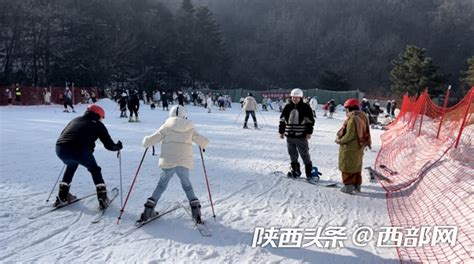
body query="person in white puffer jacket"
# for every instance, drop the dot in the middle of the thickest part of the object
(313, 103)
(176, 136)
(250, 106)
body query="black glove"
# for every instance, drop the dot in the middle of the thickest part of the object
(119, 145)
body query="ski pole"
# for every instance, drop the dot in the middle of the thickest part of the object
(131, 187)
(238, 116)
(52, 190)
(207, 182)
(119, 156)
(116, 107)
(262, 116)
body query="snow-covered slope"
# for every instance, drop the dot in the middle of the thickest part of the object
(246, 192)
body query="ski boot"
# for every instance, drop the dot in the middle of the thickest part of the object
(66, 111)
(64, 196)
(130, 119)
(245, 125)
(196, 210)
(149, 211)
(255, 125)
(295, 171)
(357, 188)
(349, 189)
(102, 196)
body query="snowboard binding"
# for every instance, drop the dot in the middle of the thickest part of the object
(314, 174)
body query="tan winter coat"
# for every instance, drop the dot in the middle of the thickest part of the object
(177, 135)
(353, 137)
(250, 104)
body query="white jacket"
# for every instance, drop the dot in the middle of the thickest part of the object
(250, 104)
(177, 135)
(313, 103)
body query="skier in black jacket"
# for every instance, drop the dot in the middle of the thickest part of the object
(133, 106)
(123, 105)
(296, 123)
(75, 146)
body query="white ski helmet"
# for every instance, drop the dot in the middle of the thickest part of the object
(179, 111)
(296, 92)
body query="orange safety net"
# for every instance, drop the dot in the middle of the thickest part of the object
(428, 156)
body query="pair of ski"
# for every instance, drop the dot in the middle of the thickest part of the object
(377, 175)
(113, 194)
(327, 184)
(201, 227)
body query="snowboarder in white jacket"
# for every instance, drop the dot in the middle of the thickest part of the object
(176, 136)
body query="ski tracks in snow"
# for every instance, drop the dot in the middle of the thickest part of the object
(21, 242)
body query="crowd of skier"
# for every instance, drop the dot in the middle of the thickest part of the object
(75, 145)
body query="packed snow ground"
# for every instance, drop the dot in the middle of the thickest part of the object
(240, 165)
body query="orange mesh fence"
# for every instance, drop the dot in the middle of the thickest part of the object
(428, 156)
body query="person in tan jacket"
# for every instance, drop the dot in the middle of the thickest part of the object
(176, 136)
(352, 138)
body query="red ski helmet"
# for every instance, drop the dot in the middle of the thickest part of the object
(351, 102)
(96, 109)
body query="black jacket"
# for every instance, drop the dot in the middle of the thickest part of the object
(123, 103)
(133, 103)
(84, 131)
(296, 121)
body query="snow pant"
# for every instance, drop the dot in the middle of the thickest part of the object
(252, 113)
(298, 145)
(166, 175)
(123, 111)
(133, 110)
(68, 102)
(75, 156)
(352, 178)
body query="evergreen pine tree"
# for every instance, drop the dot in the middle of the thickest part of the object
(185, 42)
(209, 48)
(330, 80)
(413, 73)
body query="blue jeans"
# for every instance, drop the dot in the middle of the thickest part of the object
(73, 156)
(252, 113)
(166, 175)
